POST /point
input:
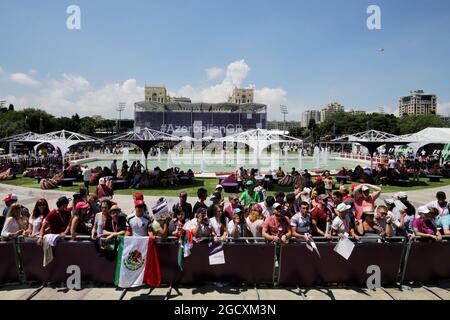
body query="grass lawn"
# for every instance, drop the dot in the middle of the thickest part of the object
(208, 184)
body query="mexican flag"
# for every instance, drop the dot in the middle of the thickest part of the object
(137, 262)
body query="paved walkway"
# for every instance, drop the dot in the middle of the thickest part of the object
(211, 292)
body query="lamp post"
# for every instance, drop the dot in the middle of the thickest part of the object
(120, 108)
(284, 111)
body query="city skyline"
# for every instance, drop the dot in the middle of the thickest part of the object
(303, 55)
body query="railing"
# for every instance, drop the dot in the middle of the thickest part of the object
(364, 157)
(248, 260)
(76, 156)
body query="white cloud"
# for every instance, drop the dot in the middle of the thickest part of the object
(1, 71)
(70, 93)
(214, 73)
(443, 109)
(23, 79)
(33, 72)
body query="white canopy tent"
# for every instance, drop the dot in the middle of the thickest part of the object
(61, 140)
(427, 136)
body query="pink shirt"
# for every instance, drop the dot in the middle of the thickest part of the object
(276, 227)
(422, 226)
(361, 202)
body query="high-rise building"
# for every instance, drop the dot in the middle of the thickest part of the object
(156, 94)
(308, 115)
(330, 109)
(242, 96)
(417, 103)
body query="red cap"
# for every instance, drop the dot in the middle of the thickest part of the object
(10, 197)
(81, 205)
(318, 178)
(138, 203)
(139, 196)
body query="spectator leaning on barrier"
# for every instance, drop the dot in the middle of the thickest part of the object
(267, 205)
(78, 225)
(9, 200)
(383, 221)
(237, 226)
(276, 228)
(440, 203)
(178, 220)
(424, 226)
(342, 223)
(12, 227)
(301, 223)
(159, 224)
(100, 219)
(321, 218)
(58, 220)
(138, 224)
(395, 217)
(366, 225)
(364, 198)
(254, 222)
(40, 212)
(219, 224)
(444, 224)
(199, 226)
(115, 224)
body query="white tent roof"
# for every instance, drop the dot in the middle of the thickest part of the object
(259, 138)
(427, 136)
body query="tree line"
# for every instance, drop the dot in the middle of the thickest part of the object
(345, 123)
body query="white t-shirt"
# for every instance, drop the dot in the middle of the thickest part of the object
(86, 174)
(305, 196)
(392, 163)
(341, 226)
(216, 226)
(434, 204)
(255, 227)
(301, 223)
(267, 212)
(36, 223)
(139, 225)
(192, 224)
(10, 227)
(230, 228)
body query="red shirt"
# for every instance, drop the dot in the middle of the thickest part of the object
(321, 216)
(58, 223)
(276, 227)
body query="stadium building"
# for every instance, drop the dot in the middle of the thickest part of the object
(198, 119)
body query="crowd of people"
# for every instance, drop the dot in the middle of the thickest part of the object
(306, 212)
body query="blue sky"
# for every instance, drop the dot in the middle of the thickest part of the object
(304, 54)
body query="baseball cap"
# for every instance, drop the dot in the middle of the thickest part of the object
(249, 183)
(201, 210)
(139, 196)
(101, 181)
(368, 210)
(402, 195)
(364, 188)
(219, 186)
(423, 209)
(389, 201)
(343, 207)
(138, 203)
(10, 197)
(276, 206)
(237, 211)
(62, 200)
(115, 208)
(81, 205)
(257, 207)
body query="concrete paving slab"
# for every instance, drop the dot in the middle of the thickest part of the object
(103, 294)
(211, 292)
(279, 294)
(359, 294)
(417, 293)
(444, 293)
(19, 292)
(53, 293)
(146, 294)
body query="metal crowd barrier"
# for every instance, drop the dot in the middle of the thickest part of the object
(247, 260)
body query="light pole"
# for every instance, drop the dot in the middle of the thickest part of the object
(120, 108)
(284, 111)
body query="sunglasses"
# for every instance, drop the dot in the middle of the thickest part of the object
(140, 207)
